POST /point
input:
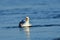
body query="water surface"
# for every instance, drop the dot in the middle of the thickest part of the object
(44, 17)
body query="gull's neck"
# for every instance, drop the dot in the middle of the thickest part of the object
(27, 21)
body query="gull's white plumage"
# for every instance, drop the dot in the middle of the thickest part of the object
(26, 23)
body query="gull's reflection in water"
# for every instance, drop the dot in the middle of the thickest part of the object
(27, 31)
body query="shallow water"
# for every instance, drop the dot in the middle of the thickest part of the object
(44, 17)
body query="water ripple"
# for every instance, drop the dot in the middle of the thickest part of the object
(50, 25)
(56, 39)
(31, 11)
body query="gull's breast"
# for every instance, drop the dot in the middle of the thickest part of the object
(26, 24)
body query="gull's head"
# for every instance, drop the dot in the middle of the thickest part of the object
(27, 18)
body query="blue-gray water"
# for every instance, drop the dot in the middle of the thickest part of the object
(44, 16)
